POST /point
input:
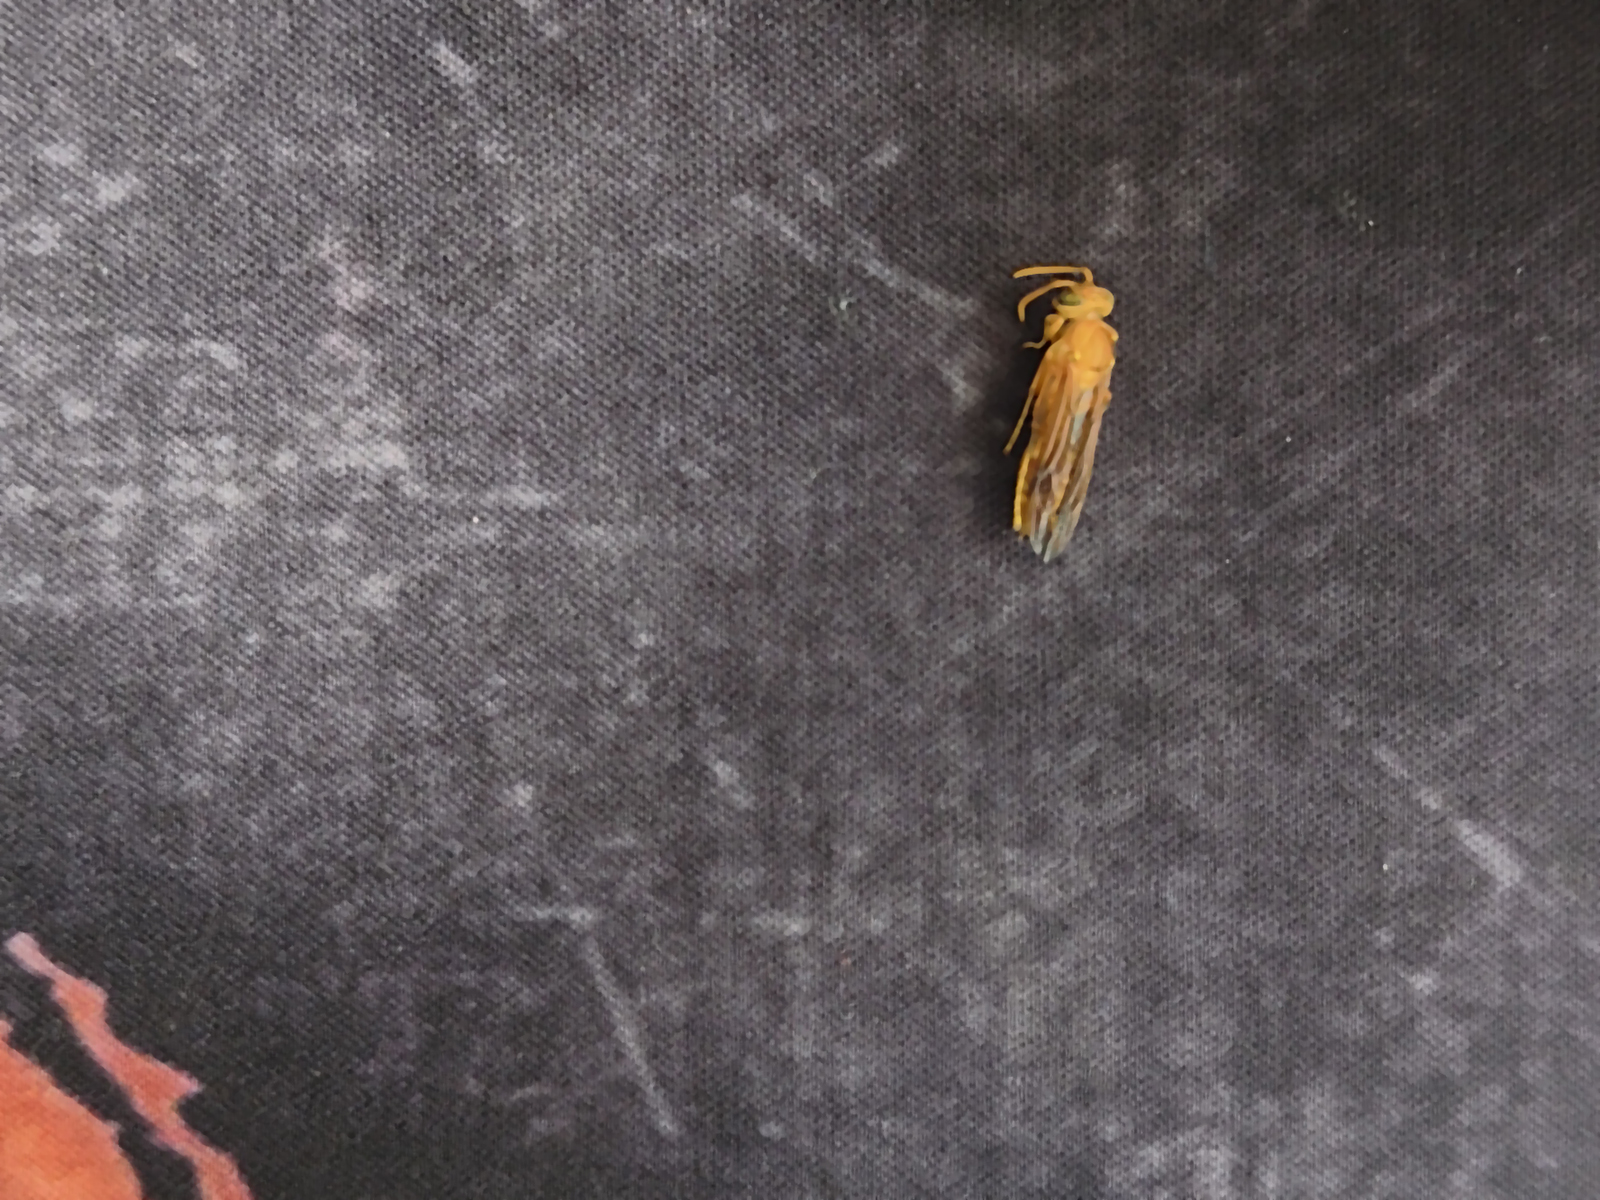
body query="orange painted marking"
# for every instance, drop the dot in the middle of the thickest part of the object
(152, 1087)
(52, 1147)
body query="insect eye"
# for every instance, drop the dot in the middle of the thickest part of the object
(1072, 299)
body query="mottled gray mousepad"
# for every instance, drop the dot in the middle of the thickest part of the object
(516, 675)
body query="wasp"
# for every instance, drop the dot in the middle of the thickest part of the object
(1069, 396)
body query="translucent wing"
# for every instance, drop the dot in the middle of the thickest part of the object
(1053, 480)
(1076, 464)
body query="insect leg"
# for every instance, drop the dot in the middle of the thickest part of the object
(1033, 392)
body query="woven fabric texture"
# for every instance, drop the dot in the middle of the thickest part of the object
(516, 675)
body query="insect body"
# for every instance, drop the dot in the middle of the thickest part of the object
(1068, 397)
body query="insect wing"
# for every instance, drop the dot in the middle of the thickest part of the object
(1056, 478)
(1049, 397)
(1086, 431)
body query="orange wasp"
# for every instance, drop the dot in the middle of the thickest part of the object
(1068, 397)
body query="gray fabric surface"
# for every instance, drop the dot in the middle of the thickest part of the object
(515, 669)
